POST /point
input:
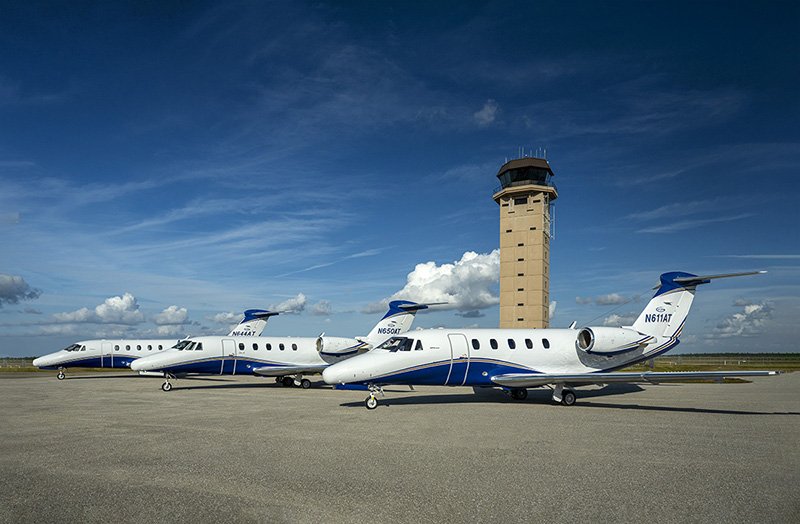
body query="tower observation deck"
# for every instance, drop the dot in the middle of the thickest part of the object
(525, 196)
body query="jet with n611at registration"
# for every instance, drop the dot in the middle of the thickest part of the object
(517, 359)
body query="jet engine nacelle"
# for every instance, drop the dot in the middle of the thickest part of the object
(338, 345)
(610, 340)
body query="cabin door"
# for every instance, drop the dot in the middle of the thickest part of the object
(228, 356)
(459, 360)
(106, 355)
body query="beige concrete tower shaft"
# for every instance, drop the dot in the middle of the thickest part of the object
(525, 197)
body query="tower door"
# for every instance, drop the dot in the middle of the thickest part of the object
(459, 360)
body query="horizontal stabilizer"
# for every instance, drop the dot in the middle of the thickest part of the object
(531, 380)
(694, 280)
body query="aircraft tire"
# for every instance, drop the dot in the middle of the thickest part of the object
(278, 379)
(305, 383)
(371, 402)
(60, 375)
(166, 386)
(287, 381)
(519, 394)
(568, 398)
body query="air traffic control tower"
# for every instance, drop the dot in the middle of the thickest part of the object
(526, 196)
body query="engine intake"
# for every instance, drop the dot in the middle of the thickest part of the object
(610, 340)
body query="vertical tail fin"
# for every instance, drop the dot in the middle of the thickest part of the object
(666, 312)
(253, 323)
(396, 321)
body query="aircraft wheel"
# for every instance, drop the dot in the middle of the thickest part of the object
(288, 381)
(166, 386)
(568, 398)
(519, 394)
(371, 402)
(305, 383)
(278, 379)
(60, 375)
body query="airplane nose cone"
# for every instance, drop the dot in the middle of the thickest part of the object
(331, 375)
(138, 365)
(39, 362)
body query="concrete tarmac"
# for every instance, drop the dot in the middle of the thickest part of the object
(113, 447)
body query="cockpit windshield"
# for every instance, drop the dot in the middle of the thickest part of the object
(182, 344)
(73, 347)
(397, 344)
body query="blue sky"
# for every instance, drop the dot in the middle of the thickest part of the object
(164, 167)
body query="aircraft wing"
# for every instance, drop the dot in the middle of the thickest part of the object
(531, 380)
(278, 371)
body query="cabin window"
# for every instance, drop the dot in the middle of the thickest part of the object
(116, 347)
(476, 344)
(269, 347)
(512, 344)
(294, 347)
(546, 343)
(160, 347)
(418, 347)
(138, 347)
(199, 346)
(255, 346)
(241, 346)
(529, 343)
(149, 347)
(280, 346)
(127, 347)
(493, 343)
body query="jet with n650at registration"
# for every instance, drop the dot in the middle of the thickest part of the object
(517, 359)
(286, 358)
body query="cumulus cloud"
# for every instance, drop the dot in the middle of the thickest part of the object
(292, 306)
(173, 315)
(115, 310)
(14, 288)
(225, 318)
(552, 309)
(749, 322)
(487, 115)
(172, 330)
(613, 299)
(322, 308)
(615, 320)
(465, 285)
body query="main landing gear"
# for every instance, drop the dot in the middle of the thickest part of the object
(297, 380)
(563, 395)
(61, 375)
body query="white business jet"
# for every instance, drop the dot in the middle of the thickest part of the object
(120, 353)
(286, 358)
(516, 359)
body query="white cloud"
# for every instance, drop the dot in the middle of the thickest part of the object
(322, 308)
(172, 315)
(115, 310)
(749, 322)
(487, 115)
(613, 299)
(465, 285)
(14, 288)
(225, 318)
(615, 320)
(292, 306)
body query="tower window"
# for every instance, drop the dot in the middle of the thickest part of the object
(520, 274)
(520, 201)
(520, 320)
(521, 244)
(521, 289)
(508, 230)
